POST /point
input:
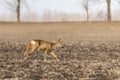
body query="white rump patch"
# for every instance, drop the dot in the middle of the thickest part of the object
(32, 42)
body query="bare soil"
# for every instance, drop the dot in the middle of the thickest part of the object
(91, 51)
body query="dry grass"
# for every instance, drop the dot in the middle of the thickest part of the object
(68, 31)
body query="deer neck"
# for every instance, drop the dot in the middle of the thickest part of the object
(54, 45)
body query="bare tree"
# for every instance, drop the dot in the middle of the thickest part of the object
(85, 5)
(101, 12)
(18, 10)
(15, 6)
(118, 1)
(109, 9)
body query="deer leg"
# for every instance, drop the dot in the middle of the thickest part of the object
(29, 52)
(45, 54)
(26, 56)
(26, 52)
(38, 48)
(54, 55)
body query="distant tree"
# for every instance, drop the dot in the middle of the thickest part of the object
(18, 10)
(85, 5)
(101, 12)
(118, 1)
(15, 6)
(109, 9)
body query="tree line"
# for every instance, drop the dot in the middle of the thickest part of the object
(17, 8)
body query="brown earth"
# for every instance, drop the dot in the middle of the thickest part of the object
(91, 51)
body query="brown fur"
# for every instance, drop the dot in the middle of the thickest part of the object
(42, 45)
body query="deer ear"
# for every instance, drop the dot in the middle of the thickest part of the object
(59, 38)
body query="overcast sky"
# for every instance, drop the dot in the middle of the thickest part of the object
(33, 10)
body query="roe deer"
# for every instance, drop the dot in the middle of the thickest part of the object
(42, 45)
